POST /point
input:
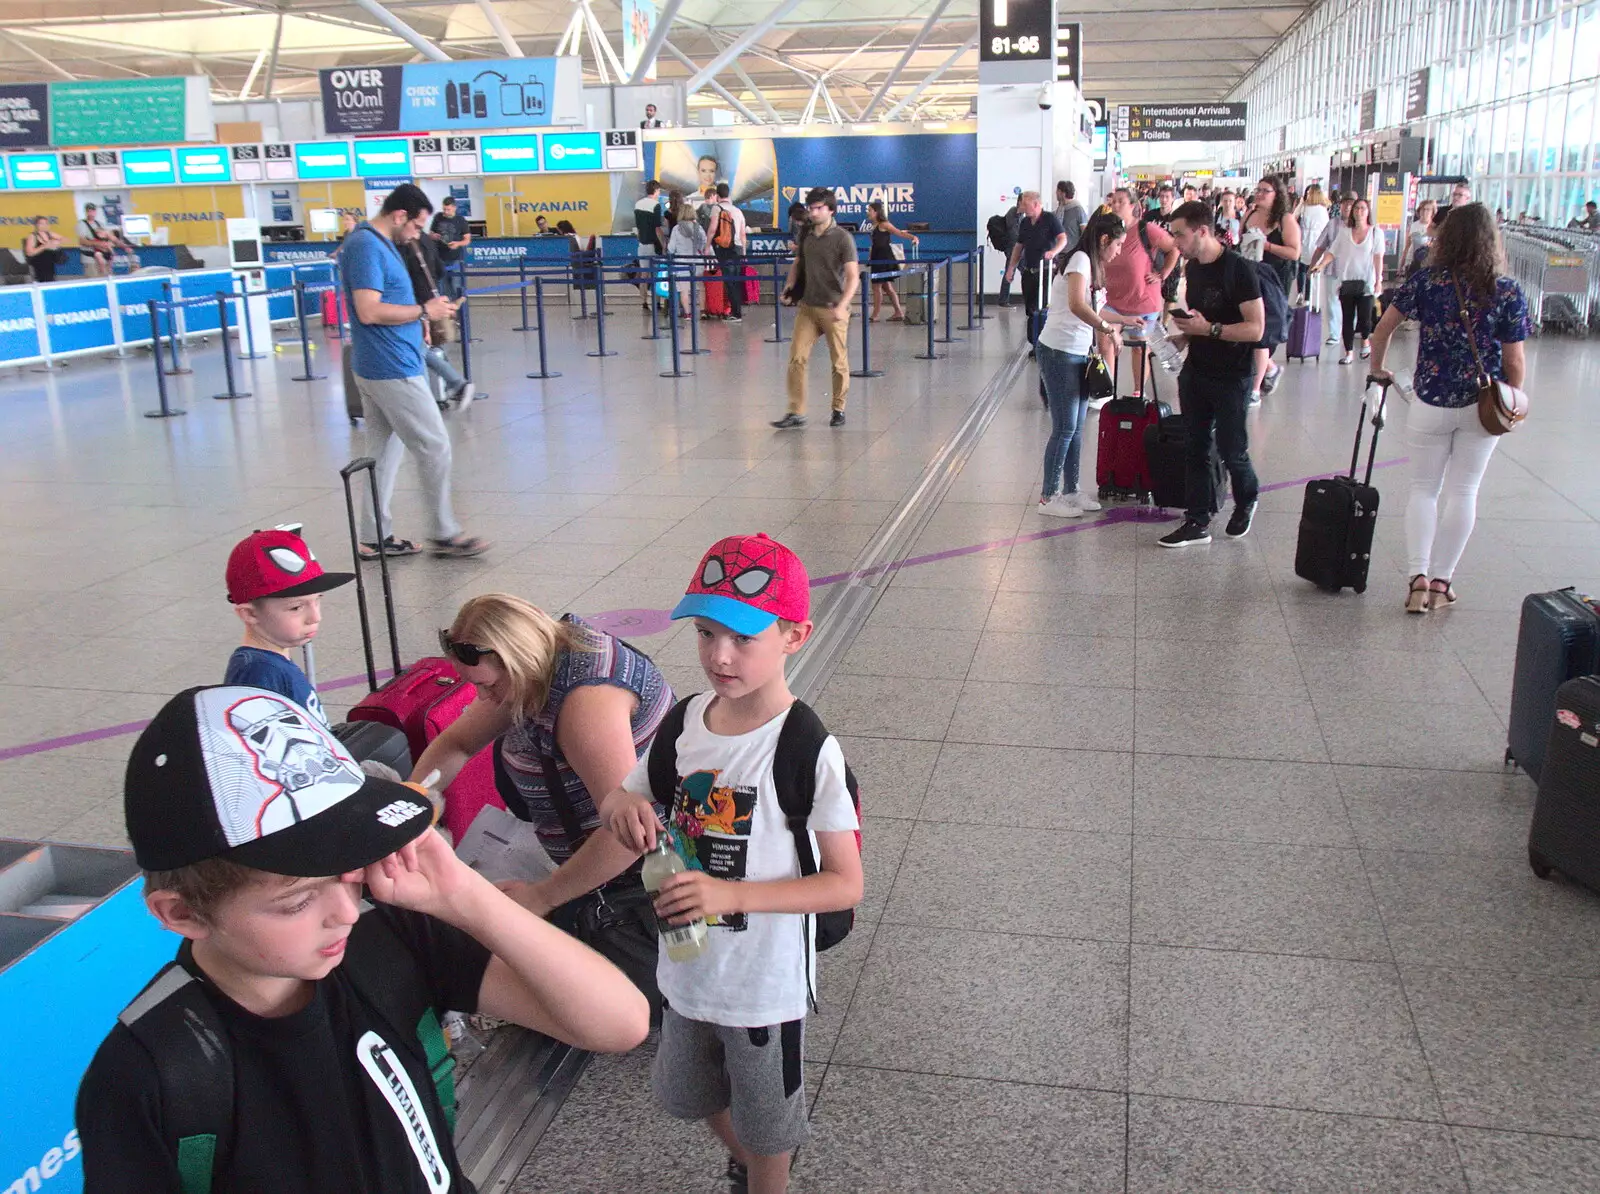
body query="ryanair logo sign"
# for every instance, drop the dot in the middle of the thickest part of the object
(896, 197)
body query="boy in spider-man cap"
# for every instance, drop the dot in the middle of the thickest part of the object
(275, 586)
(764, 860)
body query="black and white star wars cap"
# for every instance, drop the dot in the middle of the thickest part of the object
(248, 775)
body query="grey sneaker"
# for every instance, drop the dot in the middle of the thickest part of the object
(463, 397)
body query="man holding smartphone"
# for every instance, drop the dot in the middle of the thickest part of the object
(1226, 318)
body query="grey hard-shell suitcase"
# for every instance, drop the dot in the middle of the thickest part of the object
(1565, 835)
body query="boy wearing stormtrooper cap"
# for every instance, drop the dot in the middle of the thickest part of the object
(294, 1045)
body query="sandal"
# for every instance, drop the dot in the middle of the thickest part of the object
(462, 547)
(1417, 598)
(1440, 594)
(391, 547)
(900, 318)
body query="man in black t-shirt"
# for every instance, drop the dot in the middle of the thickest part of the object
(1039, 238)
(449, 235)
(1224, 321)
(293, 1043)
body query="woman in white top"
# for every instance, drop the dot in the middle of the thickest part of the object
(688, 239)
(1357, 256)
(1313, 219)
(1418, 237)
(1077, 314)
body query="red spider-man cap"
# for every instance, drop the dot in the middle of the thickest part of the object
(277, 563)
(748, 582)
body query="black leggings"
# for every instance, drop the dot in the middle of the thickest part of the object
(1357, 318)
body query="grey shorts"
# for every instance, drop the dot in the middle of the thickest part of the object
(753, 1073)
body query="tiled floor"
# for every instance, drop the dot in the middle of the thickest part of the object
(1182, 876)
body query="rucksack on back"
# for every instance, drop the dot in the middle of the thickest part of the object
(999, 233)
(176, 1023)
(723, 236)
(1275, 303)
(794, 776)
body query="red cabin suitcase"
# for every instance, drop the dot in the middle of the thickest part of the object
(422, 700)
(716, 297)
(752, 285)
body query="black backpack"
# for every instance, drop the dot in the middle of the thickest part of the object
(1275, 303)
(177, 1024)
(999, 233)
(794, 775)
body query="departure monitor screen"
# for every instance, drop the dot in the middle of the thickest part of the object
(324, 220)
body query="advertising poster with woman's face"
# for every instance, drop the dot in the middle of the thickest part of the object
(749, 167)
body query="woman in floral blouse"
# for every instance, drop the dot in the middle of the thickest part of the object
(1460, 286)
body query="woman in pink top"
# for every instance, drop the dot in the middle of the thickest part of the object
(1133, 280)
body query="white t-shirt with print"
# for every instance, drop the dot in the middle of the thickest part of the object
(754, 972)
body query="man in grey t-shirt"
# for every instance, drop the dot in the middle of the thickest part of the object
(822, 282)
(1070, 212)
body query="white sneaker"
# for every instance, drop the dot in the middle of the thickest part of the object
(1060, 506)
(1255, 398)
(464, 396)
(1331, 340)
(1097, 403)
(1084, 501)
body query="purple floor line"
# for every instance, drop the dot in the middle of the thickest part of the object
(1114, 516)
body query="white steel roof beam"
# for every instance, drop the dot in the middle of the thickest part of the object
(12, 39)
(741, 43)
(714, 85)
(916, 44)
(507, 42)
(401, 30)
(658, 37)
(932, 76)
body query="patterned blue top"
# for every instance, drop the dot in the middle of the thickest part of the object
(1446, 374)
(598, 658)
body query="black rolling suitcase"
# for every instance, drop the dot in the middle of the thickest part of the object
(376, 741)
(1558, 639)
(1166, 449)
(1340, 516)
(1565, 835)
(352, 396)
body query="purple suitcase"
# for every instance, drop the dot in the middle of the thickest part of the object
(1305, 334)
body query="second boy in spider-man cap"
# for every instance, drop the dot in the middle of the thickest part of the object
(732, 1036)
(275, 586)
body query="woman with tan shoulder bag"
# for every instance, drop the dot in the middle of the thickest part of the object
(1470, 366)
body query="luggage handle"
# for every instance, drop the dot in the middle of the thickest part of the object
(368, 465)
(1378, 422)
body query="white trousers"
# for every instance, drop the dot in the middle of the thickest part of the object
(1449, 452)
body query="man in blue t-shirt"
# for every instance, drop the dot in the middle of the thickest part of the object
(275, 586)
(386, 334)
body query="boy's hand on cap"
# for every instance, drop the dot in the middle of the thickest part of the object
(695, 895)
(425, 876)
(632, 821)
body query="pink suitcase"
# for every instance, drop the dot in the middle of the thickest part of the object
(752, 286)
(422, 700)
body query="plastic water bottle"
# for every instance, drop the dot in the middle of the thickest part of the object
(684, 943)
(1166, 351)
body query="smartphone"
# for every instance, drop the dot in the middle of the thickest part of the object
(1180, 313)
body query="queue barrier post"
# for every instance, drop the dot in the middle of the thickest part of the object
(777, 336)
(866, 369)
(672, 317)
(522, 295)
(600, 313)
(165, 411)
(460, 295)
(949, 276)
(983, 259)
(927, 311)
(694, 314)
(655, 305)
(583, 294)
(972, 324)
(305, 335)
(538, 300)
(227, 349)
(172, 333)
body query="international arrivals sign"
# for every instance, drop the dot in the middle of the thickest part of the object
(1180, 122)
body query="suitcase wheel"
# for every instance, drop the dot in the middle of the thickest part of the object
(1361, 588)
(1541, 868)
(1510, 760)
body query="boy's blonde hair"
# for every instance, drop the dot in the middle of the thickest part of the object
(527, 641)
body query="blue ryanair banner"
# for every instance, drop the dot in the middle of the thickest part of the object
(133, 307)
(19, 330)
(77, 317)
(925, 177)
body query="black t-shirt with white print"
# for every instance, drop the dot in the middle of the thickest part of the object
(1215, 293)
(310, 1115)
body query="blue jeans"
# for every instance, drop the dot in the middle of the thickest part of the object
(1062, 374)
